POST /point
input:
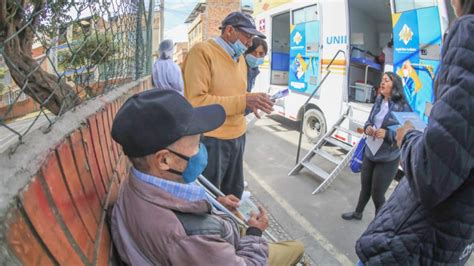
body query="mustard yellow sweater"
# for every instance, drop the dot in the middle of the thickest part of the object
(212, 77)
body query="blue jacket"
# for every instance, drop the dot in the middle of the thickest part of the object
(252, 73)
(389, 150)
(429, 219)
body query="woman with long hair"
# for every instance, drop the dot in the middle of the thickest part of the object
(379, 168)
(429, 219)
(254, 57)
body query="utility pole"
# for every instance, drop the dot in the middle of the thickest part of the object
(139, 44)
(149, 36)
(162, 19)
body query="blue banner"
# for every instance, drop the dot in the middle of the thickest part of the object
(304, 57)
(417, 44)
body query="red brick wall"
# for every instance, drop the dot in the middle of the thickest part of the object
(19, 109)
(216, 11)
(27, 106)
(59, 217)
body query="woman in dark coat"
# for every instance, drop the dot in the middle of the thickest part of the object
(429, 219)
(254, 57)
(379, 169)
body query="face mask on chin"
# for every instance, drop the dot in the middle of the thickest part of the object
(238, 47)
(196, 164)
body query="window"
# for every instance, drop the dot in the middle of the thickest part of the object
(406, 5)
(306, 14)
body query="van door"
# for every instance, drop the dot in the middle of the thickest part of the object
(304, 50)
(417, 37)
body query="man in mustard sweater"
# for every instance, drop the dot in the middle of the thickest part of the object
(215, 72)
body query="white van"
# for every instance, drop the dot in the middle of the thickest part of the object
(342, 39)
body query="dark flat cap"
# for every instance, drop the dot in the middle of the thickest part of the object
(243, 22)
(152, 120)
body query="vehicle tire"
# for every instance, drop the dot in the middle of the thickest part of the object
(314, 125)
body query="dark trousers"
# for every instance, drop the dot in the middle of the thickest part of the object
(375, 180)
(225, 164)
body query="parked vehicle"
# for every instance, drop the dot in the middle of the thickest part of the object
(309, 39)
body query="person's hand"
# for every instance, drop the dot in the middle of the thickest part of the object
(259, 101)
(402, 131)
(260, 220)
(380, 133)
(370, 131)
(231, 202)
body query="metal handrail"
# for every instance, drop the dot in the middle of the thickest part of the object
(328, 68)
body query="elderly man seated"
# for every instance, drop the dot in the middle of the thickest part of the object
(162, 216)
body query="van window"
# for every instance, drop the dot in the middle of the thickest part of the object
(405, 5)
(306, 14)
(298, 16)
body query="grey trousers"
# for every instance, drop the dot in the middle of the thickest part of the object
(375, 180)
(225, 164)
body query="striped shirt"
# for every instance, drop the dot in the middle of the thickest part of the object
(227, 48)
(188, 192)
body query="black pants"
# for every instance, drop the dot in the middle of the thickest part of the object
(225, 164)
(375, 180)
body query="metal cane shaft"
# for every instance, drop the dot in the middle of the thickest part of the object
(203, 181)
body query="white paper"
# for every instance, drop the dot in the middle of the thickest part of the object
(247, 206)
(373, 144)
(245, 195)
(402, 117)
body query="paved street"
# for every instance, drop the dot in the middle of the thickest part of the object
(8, 137)
(313, 219)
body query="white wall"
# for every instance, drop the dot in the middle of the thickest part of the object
(385, 31)
(360, 22)
(281, 33)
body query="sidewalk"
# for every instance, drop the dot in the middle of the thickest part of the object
(297, 214)
(313, 219)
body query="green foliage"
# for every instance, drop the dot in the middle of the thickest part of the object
(3, 72)
(94, 50)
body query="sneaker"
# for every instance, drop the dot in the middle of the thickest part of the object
(352, 216)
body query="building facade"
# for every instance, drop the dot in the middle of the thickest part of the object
(156, 34)
(205, 19)
(180, 52)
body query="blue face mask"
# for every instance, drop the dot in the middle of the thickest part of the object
(253, 61)
(238, 47)
(196, 164)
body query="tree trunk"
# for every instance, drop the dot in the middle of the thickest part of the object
(46, 89)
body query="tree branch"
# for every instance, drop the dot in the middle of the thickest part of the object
(43, 87)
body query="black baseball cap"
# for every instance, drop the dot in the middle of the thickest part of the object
(243, 22)
(152, 120)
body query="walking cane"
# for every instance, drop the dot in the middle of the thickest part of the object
(214, 192)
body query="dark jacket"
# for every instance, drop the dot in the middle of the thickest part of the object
(152, 227)
(389, 150)
(429, 219)
(252, 73)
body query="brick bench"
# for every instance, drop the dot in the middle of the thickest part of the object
(57, 215)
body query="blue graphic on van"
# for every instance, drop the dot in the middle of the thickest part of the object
(417, 54)
(304, 57)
